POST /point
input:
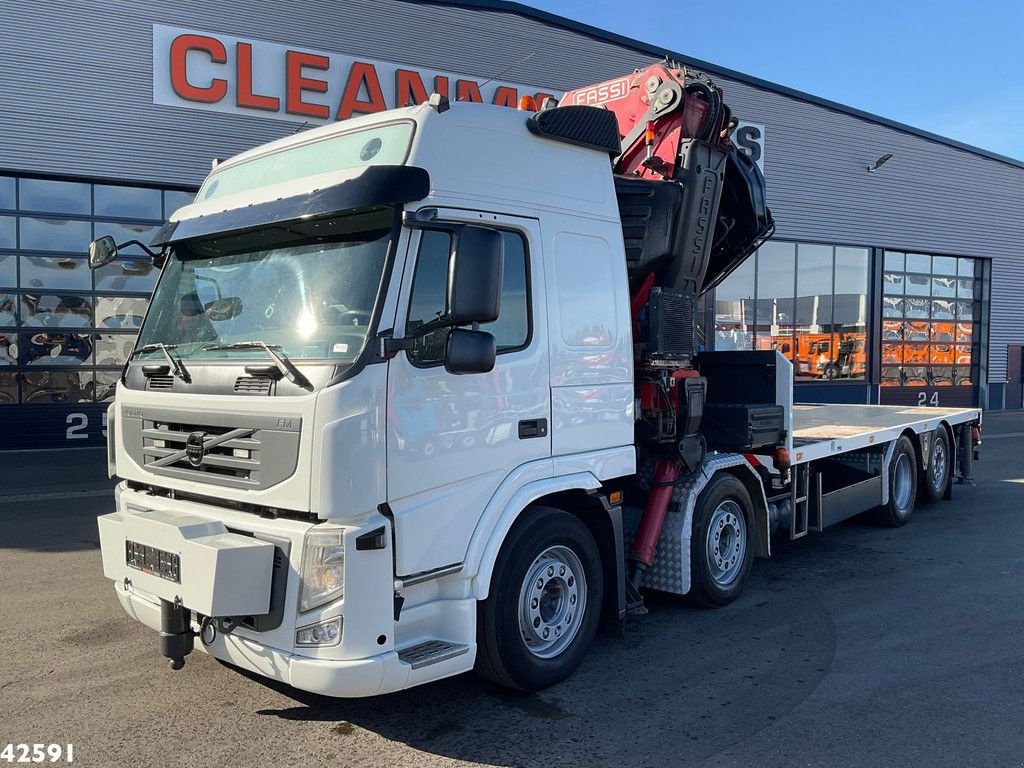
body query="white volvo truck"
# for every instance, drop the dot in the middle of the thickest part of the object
(421, 393)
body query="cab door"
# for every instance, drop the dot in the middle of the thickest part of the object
(453, 439)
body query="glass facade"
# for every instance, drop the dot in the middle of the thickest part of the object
(809, 301)
(65, 331)
(931, 320)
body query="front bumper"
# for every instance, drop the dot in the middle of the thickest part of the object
(349, 678)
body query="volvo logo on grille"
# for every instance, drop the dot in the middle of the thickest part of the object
(194, 448)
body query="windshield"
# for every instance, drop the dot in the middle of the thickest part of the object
(313, 296)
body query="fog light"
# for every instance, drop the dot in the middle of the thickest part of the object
(323, 634)
(241, 453)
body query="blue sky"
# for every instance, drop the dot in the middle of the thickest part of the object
(952, 68)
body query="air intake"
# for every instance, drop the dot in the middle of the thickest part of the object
(672, 326)
(253, 385)
(160, 382)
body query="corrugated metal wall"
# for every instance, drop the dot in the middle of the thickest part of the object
(76, 95)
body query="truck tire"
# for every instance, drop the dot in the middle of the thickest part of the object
(933, 479)
(722, 544)
(902, 486)
(544, 604)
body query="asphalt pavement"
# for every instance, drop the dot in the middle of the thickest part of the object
(859, 646)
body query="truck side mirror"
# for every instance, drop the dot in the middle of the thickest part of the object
(474, 277)
(102, 252)
(469, 351)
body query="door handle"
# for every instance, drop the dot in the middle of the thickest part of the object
(533, 428)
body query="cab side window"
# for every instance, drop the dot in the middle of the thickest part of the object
(429, 288)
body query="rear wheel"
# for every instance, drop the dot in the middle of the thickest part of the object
(933, 480)
(902, 486)
(721, 547)
(545, 599)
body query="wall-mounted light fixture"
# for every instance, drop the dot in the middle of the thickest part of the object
(879, 163)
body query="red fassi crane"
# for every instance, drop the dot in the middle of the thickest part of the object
(693, 208)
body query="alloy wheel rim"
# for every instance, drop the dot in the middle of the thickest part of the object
(552, 599)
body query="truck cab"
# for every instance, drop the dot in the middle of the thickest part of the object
(372, 345)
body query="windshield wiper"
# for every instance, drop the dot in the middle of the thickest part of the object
(177, 366)
(284, 365)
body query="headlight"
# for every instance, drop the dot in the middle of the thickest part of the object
(323, 568)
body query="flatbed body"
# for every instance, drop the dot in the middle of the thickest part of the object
(824, 430)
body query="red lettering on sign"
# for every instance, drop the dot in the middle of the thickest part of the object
(441, 85)
(504, 96)
(467, 90)
(244, 96)
(409, 88)
(180, 47)
(296, 83)
(362, 75)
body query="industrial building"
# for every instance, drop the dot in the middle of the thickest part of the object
(894, 274)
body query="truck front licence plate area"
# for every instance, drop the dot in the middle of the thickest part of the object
(154, 561)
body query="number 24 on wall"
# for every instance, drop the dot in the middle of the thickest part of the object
(922, 399)
(78, 424)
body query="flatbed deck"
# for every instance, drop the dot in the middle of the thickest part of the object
(825, 430)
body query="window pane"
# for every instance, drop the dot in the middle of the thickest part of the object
(892, 306)
(895, 261)
(120, 312)
(919, 262)
(892, 330)
(734, 309)
(113, 348)
(53, 349)
(56, 311)
(54, 196)
(916, 331)
(813, 288)
(776, 264)
(965, 267)
(944, 265)
(8, 232)
(965, 310)
(7, 196)
(8, 270)
(57, 387)
(8, 309)
(135, 275)
(915, 307)
(105, 383)
(943, 286)
(893, 283)
(8, 349)
(942, 332)
(55, 272)
(512, 329)
(428, 294)
(918, 285)
(8, 388)
(55, 235)
(173, 200)
(127, 202)
(125, 232)
(943, 310)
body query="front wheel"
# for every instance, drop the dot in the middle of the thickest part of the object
(544, 604)
(722, 544)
